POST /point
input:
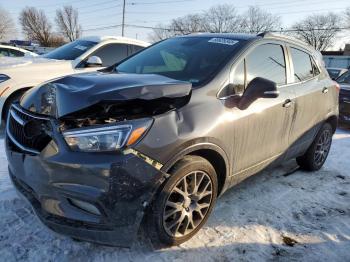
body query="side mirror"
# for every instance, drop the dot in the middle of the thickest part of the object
(231, 91)
(258, 88)
(93, 61)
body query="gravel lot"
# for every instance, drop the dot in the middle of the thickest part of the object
(275, 215)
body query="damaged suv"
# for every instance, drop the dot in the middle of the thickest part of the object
(155, 139)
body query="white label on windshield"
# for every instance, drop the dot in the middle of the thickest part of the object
(81, 47)
(223, 41)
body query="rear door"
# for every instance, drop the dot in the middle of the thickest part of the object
(262, 131)
(312, 98)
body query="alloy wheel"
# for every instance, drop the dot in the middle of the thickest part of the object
(322, 147)
(188, 204)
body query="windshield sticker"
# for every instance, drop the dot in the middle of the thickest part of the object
(81, 47)
(223, 41)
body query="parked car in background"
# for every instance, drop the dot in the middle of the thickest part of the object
(334, 73)
(83, 55)
(158, 137)
(334, 61)
(344, 98)
(12, 51)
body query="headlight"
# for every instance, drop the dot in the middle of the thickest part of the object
(3, 78)
(107, 138)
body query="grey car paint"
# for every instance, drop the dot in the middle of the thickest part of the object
(251, 139)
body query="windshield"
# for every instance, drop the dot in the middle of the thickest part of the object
(192, 59)
(333, 73)
(71, 50)
(344, 78)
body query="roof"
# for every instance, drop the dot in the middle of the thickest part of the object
(115, 38)
(266, 35)
(226, 35)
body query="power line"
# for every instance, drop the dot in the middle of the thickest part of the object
(160, 2)
(170, 29)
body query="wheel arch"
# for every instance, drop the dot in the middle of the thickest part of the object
(333, 121)
(17, 92)
(214, 154)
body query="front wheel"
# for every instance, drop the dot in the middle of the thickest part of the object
(184, 203)
(317, 153)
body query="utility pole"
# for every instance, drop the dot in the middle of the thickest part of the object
(123, 22)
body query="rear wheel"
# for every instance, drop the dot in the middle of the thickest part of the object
(184, 203)
(317, 153)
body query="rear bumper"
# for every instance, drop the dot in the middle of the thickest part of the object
(119, 186)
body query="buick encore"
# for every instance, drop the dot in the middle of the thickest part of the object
(154, 140)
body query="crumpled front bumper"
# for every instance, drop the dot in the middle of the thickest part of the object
(119, 186)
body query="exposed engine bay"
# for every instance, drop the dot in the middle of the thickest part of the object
(109, 112)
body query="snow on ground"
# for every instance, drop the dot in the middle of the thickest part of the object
(272, 216)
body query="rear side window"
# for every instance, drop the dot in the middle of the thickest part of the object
(303, 69)
(267, 61)
(133, 49)
(111, 53)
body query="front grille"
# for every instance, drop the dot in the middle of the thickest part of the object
(27, 131)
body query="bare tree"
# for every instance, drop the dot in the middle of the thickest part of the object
(219, 19)
(179, 26)
(318, 31)
(7, 26)
(187, 24)
(222, 19)
(347, 17)
(35, 25)
(67, 22)
(256, 20)
(160, 32)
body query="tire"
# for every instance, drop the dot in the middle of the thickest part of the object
(317, 153)
(170, 206)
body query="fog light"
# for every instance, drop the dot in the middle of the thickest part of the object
(85, 206)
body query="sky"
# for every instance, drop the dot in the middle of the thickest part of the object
(96, 17)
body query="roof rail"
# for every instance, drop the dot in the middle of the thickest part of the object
(266, 33)
(284, 37)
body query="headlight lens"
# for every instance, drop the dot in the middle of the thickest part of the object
(3, 78)
(103, 139)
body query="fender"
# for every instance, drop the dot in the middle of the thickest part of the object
(200, 144)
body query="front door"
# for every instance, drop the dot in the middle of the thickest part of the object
(261, 132)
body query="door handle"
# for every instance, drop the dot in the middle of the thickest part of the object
(325, 90)
(287, 103)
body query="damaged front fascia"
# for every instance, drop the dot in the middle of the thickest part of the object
(147, 159)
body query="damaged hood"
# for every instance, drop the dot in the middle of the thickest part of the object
(73, 93)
